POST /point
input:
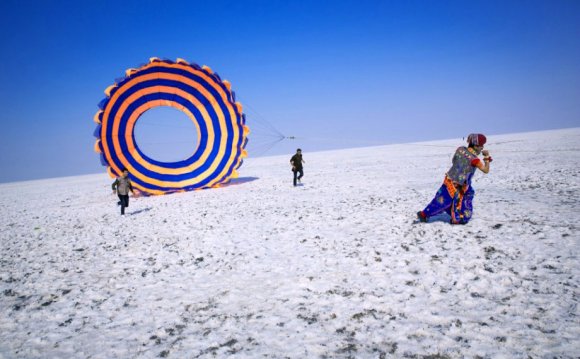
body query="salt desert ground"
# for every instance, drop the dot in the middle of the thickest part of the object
(335, 268)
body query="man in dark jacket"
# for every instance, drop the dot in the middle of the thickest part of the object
(296, 162)
(123, 185)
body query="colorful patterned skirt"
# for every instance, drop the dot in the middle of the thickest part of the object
(454, 199)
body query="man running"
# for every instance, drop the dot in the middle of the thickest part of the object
(123, 185)
(296, 162)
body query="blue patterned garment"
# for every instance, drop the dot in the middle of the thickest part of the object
(455, 197)
(463, 168)
(458, 203)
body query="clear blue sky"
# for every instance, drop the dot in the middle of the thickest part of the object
(334, 73)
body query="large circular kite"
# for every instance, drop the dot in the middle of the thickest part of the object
(197, 91)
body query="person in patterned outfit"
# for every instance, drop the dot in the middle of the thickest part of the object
(456, 194)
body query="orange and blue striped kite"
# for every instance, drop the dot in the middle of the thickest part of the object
(197, 91)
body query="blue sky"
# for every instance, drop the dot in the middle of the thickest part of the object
(333, 73)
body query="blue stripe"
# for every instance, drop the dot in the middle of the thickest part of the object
(238, 146)
(97, 132)
(182, 101)
(203, 134)
(230, 130)
(103, 103)
(103, 159)
(166, 96)
(195, 156)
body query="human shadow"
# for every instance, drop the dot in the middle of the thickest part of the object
(441, 217)
(232, 182)
(141, 211)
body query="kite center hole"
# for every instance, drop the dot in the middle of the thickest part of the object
(166, 134)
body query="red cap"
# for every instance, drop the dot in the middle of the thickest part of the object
(476, 139)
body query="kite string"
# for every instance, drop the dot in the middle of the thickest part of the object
(261, 119)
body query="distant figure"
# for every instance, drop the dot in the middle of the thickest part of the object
(296, 161)
(456, 194)
(123, 186)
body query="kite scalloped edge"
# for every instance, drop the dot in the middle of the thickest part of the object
(224, 84)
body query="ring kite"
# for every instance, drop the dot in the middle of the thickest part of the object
(198, 92)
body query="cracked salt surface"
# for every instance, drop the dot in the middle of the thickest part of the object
(334, 268)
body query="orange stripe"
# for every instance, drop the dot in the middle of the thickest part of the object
(96, 118)
(110, 104)
(225, 98)
(147, 190)
(135, 96)
(97, 149)
(135, 115)
(132, 149)
(450, 186)
(157, 75)
(135, 155)
(109, 89)
(131, 146)
(111, 174)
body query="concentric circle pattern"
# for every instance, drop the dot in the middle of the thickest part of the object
(197, 91)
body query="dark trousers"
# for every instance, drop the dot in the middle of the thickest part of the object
(296, 176)
(124, 199)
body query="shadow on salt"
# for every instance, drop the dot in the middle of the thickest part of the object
(141, 211)
(239, 180)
